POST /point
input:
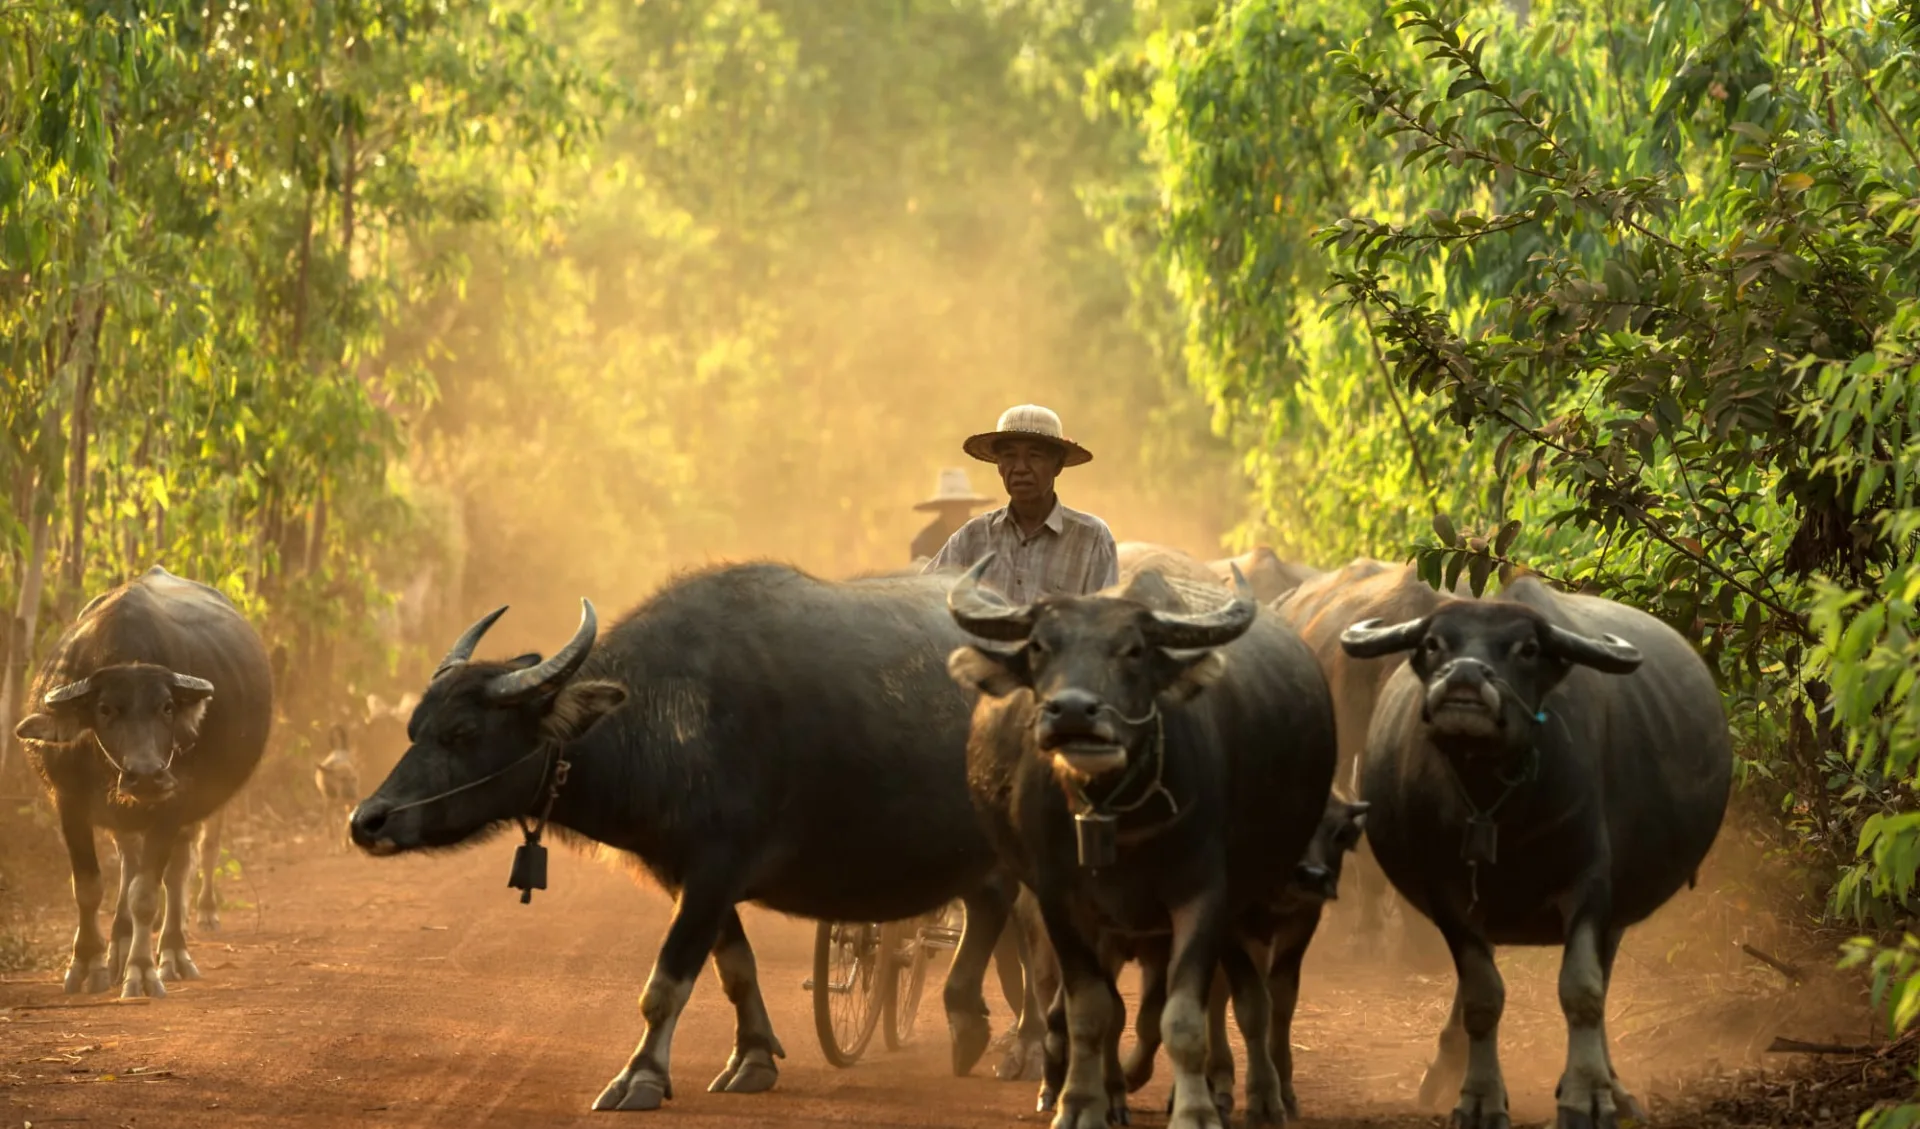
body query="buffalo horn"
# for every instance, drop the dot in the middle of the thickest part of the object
(1368, 640)
(518, 684)
(1201, 630)
(190, 683)
(978, 613)
(1240, 586)
(69, 692)
(463, 646)
(1609, 654)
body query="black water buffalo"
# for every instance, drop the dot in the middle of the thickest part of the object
(1320, 610)
(1546, 769)
(153, 710)
(1185, 758)
(749, 734)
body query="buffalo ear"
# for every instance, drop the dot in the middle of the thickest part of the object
(990, 670)
(41, 728)
(1186, 673)
(579, 706)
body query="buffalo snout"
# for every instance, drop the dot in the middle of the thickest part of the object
(148, 785)
(1071, 716)
(369, 827)
(1463, 697)
(1318, 880)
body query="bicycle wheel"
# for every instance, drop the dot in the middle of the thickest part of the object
(909, 952)
(848, 986)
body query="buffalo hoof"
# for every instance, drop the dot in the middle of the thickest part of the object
(749, 1073)
(117, 960)
(970, 1036)
(1266, 1106)
(1023, 1062)
(1081, 1113)
(634, 1092)
(1476, 1118)
(1290, 1100)
(1138, 1069)
(143, 982)
(1203, 1116)
(176, 965)
(210, 920)
(89, 976)
(1048, 1100)
(1222, 1087)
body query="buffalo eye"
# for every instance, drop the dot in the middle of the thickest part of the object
(463, 734)
(1528, 650)
(1432, 645)
(166, 709)
(1130, 651)
(106, 712)
(1037, 648)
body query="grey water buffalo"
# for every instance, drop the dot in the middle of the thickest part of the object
(1270, 577)
(1546, 769)
(1321, 609)
(748, 734)
(1145, 772)
(152, 710)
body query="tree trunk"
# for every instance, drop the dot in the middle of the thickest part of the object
(92, 317)
(22, 626)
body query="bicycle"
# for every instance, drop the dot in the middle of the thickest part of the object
(870, 976)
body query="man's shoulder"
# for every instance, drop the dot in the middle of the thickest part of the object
(1072, 517)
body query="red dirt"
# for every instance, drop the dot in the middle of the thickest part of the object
(419, 992)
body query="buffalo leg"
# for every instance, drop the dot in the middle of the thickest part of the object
(964, 994)
(148, 869)
(1153, 959)
(205, 898)
(131, 847)
(1371, 894)
(1474, 1029)
(1110, 1069)
(1054, 1077)
(88, 970)
(1253, 1009)
(750, 1069)
(1219, 1050)
(1283, 987)
(175, 964)
(1084, 1103)
(1586, 1091)
(1197, 935)
(1624, 1102)
(1040, 979)
(1022, 1060)
(698, 918)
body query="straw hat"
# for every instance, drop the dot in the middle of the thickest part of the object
(952, 489)
(1026, 421)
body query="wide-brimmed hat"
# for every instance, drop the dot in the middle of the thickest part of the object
(1026, 421)
(951, 490)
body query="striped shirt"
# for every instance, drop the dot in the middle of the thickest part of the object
(1071, 554)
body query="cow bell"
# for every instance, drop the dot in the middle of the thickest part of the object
(529, 870)
(1094, 832)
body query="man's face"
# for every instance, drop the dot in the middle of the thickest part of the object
(1027, 468)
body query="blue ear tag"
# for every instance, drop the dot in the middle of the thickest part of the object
(1541, 717)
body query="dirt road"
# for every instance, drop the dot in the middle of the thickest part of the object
(419, 992)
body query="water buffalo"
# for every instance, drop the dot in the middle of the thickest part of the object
(1270, 577)
(154, 708)
(748, 734)
(1546, 769)
(1320, 610)
(1146, 772)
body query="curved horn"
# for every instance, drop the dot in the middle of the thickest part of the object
(1240, 586)
(69, 692)
(1608, 654)
(189, 683)
(978, 613)
(518, 684)
(1204, 630)
(1368, 640)
(463, 646)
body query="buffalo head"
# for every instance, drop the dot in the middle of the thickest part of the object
(1318, 872)
(480, 741)
(1097, 666)
(138, 715)
(1487, 666)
